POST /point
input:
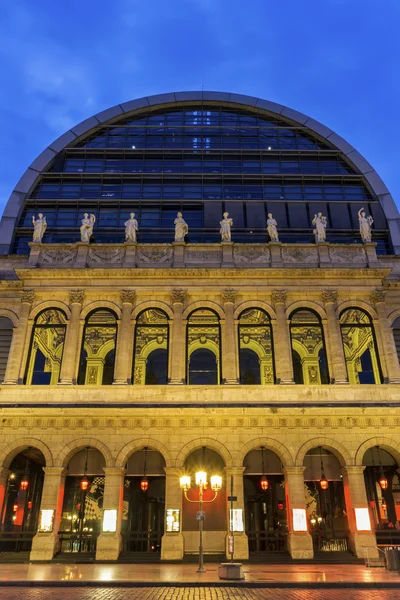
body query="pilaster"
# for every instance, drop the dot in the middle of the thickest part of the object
(337, 367)
(388, 347)
(124, 349)
(109, 544)
(300, 543)
(178, 342)
(283, 350)
(241, 542)
(172, 543)
(71, 346)
(15, 366)
(229, 342)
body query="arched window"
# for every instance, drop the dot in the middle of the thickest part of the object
(96, 366)
(359, 347)
(308, 348)
(151, 348)
(6, 332)
(46, 349)
(255, 347)
(396, 335)
(203, 348)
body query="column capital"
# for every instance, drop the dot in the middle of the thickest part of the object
(114, 471)
(378, 296)
(128, 296)
(329, 296)
(27, 296)
(173, 470)
(293, 470)
(229, 296)
(352, 470)
(234, 470)
(76, 296)
(279, 296)
(61, 471)
(178, 296)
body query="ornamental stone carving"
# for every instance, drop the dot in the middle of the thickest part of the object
(128, 296)
(300, 255)
(105, 255)
(244, 254)
(279, 296)
(58, 256)
(329, 296)
(347, 255)
(178, 296)
(229, 295)
(28, 296)
(76, 296)
(154, 254)
(378, 296)
(192, 255)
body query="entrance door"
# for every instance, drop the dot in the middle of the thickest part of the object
(143, 523)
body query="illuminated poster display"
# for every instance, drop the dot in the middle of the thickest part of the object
(363, 522)
(110, 521)
(173, 520)
(46, 521)
(299, 519)
(236, 519)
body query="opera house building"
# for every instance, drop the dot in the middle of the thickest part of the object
(199, 301)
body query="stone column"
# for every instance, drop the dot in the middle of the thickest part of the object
(362, 542)
(124, 349)
(229, 341)
(178, 340)
(283, 349)
(172, 543)
(337, 367)
(241, 542)
(19, 340)
(388, 346)
(300, 543)
(46, 545)
(109, 544)
(71, 346)
(4, 475)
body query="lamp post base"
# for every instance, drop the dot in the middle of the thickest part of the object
(201, 570)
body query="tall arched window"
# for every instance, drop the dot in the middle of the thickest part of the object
(96, 366)
(151, 348)
(359, 347)
(255, 347)
(46, 349)
(203, 348)
(6, 333)
(396, 335)
(308, 348)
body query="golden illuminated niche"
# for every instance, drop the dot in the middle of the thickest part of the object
(359, 347)
(47, 345)
(151, 335)
(203, 347)
(308, 344)
(99, 341)
(255, 338)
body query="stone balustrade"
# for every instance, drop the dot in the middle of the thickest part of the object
(225, 254)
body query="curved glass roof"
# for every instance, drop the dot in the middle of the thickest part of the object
(201, 160)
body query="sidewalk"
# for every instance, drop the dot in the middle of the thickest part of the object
(139, 575)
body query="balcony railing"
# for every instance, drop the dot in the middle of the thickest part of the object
(142, 541)
(78, 542)
(265, 541)
(16, 541)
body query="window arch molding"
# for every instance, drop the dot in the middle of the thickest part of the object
(314, 307)
(49, 304)
(126, 451)
(12, 449)
(395, 314)
(101, 305)
(343, 455)
(152, 304)
(76, 444)
(255, 304)
(213, 306)
(46, 347)
(357, 304)
(390, 445)
(9, 314)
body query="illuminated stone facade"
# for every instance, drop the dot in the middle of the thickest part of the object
(128, 349)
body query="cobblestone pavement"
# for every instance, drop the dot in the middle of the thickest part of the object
(193, 593)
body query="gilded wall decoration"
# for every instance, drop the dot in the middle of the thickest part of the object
(257, 254)
(299, 255)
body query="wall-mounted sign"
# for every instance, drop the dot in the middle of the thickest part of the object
(299, 519)
(173, 520)
(109, 521)
(46, 521)
(363, 522)
(236, 519)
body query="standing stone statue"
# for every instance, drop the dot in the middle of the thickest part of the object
(39, 227)
(131, 227)
(225, 229)
(272, 227)
(181, 228)
(319, 221)
(365, 225)
(87, 227)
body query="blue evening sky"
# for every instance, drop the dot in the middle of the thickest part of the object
(63, 60)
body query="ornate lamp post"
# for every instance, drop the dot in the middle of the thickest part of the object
(201, 482)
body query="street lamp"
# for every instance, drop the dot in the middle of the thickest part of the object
(201, 482)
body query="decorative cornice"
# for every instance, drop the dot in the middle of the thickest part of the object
(28, 296)
(76, 296)
(378, 296)
(178, 296)
(279, 296)
(229, 295)
(329, 296)
(128, 296)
